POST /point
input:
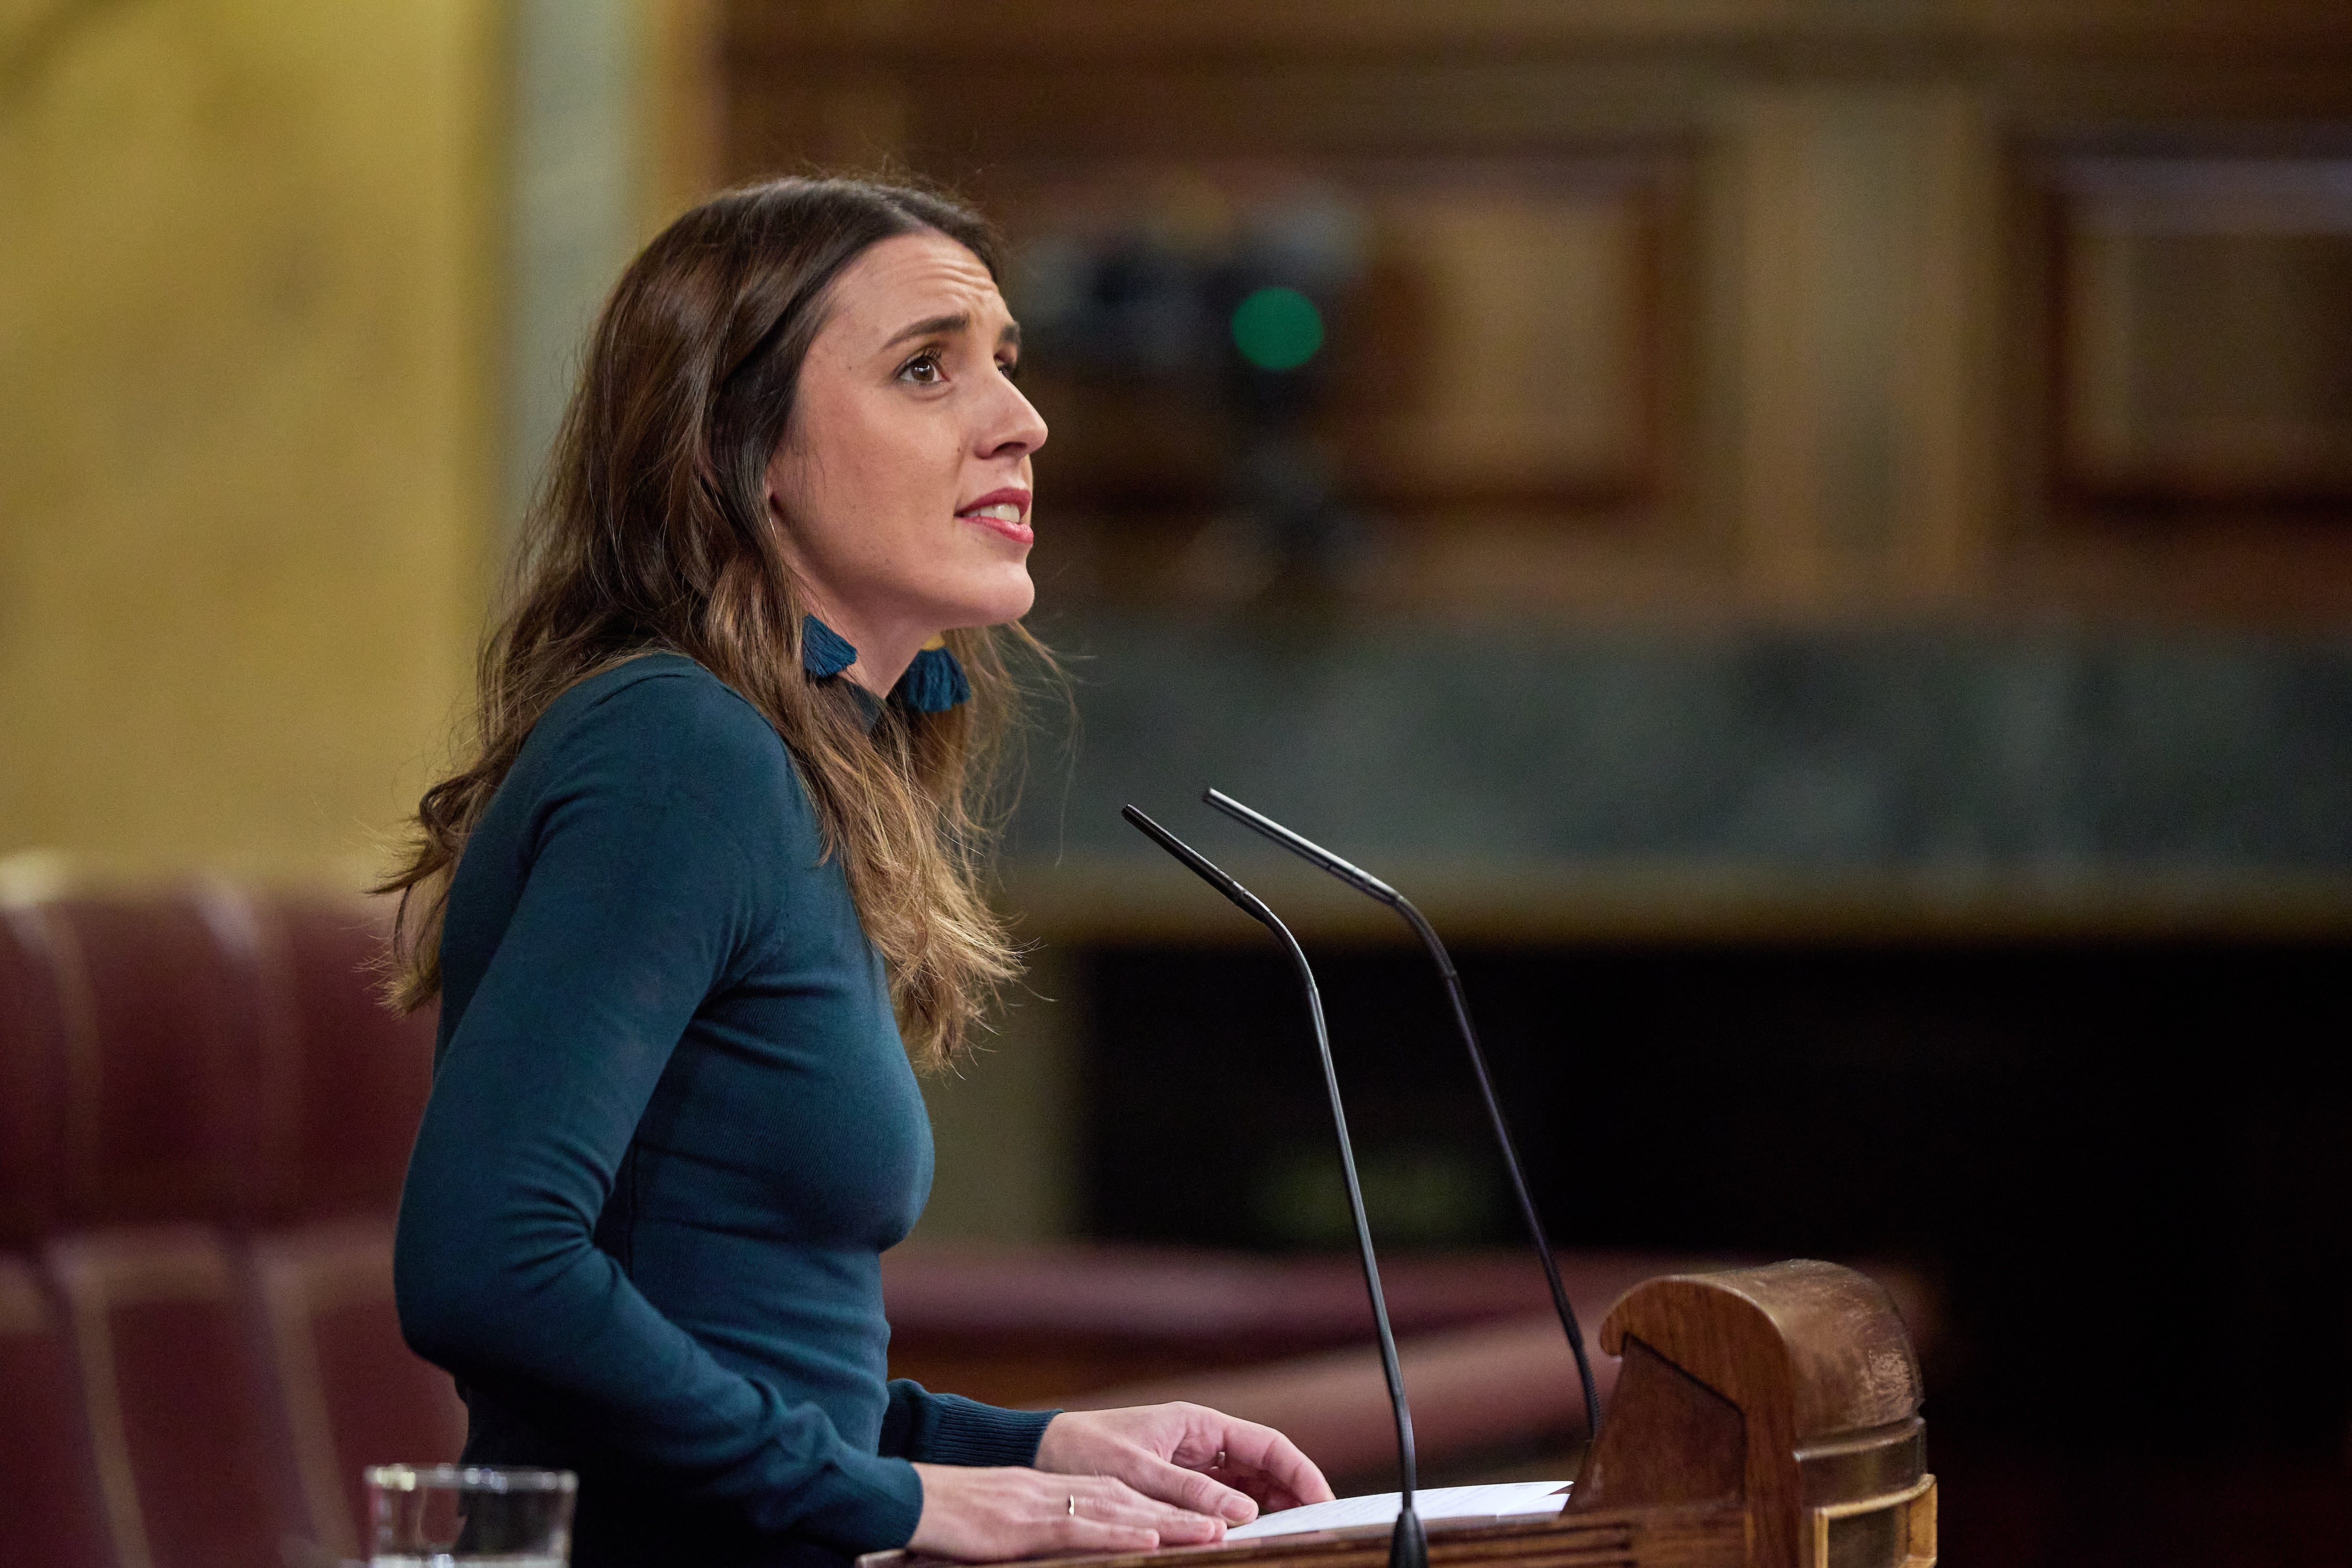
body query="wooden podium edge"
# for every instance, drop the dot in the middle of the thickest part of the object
(1702, 1536)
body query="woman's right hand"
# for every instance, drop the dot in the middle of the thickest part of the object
(989, 1514)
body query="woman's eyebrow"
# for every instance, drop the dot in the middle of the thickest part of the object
(934, 326)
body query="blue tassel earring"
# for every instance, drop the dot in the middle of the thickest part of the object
(935, 682)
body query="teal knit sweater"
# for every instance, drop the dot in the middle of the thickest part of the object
(672, 1129)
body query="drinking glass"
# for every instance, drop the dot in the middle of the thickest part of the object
(440, 1516)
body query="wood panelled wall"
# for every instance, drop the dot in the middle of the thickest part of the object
(1681, 309)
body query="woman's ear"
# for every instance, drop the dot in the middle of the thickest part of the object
(775, 484)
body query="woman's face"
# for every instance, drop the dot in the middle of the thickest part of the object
(902, 484)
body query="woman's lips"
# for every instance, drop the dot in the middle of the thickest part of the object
(1019, 532)
(1004, 511)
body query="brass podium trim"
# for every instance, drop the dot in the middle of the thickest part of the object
(1918, 1502)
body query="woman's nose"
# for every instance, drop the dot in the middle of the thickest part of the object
(1015, 425)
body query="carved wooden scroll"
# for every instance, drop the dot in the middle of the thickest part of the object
(1790, 1388)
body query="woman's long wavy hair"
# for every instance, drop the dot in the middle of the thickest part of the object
(651, 533)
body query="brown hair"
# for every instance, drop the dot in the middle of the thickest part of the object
(651, 533)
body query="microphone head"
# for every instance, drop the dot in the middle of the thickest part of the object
(1197, 863)
(1306, 848)
(1138, 819)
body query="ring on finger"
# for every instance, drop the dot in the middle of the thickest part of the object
(1074, 1505)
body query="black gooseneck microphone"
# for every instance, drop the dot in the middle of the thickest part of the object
(1408, 1545)
(1364, 882)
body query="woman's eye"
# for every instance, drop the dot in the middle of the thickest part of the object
(923, 370)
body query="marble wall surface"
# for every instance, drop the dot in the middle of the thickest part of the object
(1955, 758)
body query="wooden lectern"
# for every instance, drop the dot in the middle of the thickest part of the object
(1780, 1405)
(1763, 1419)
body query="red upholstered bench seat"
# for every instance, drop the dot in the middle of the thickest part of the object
(50, 1514)
(1504, 1388)
(199, 1054)
(1285, 1340)
(203, 1119)
(180, 1423)
(1032, 1325)
(349, 1392)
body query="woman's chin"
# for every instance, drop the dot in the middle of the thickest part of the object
(1006, 597)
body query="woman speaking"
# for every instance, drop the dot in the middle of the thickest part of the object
(705, 884)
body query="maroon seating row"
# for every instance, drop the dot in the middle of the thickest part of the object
(1033, 1324)
(203, 1119)
(206, 1054)
(1285, 1342)
(176, 1399)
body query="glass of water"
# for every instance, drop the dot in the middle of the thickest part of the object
(440, 1516)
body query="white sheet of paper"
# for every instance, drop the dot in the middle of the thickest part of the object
(1506, 1500)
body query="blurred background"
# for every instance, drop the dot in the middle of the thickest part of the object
(1814, 539)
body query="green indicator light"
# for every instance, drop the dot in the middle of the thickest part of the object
(1278, 329)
